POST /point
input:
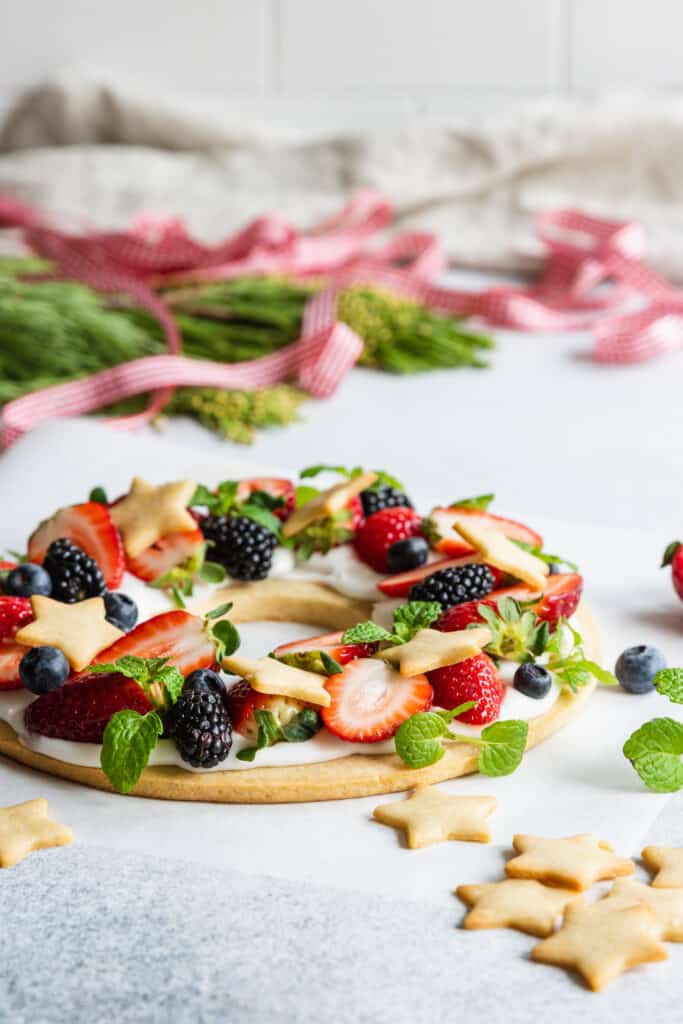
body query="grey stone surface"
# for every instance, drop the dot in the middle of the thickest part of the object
(89, 935)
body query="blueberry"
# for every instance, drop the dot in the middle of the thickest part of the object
(28, 579)
(120, 610)
(407, 554)
(206, 680)
(532, 680)
(636, 668)
(43, 669)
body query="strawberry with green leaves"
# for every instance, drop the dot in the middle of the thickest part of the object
(673, 556)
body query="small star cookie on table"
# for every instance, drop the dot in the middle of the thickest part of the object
(79, 630)
(25, 828)
(575, 862)
(667, 861)
(432, 816)
(518, 903)
(666, 904)
(602, 940)
(150, 512)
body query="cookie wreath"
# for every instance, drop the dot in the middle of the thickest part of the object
(469, 652)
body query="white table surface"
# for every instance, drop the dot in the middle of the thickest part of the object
(589, 453)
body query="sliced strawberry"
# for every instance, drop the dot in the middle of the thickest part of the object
(382, 529)
(90, 527)
(474, 679)
(166, 554)
(242, 702)
(277, 487)
(451, 543)
(369, 700)
(560, 600)
(332, 644)
(81, 710)
(176, 635)
(10, 656)
(399, 586)
(15, 612)
(6, 566)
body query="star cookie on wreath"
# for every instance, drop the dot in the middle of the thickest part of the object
(432, 816)
(150, 512)
(79, 630)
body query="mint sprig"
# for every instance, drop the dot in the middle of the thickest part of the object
(409, 619)
(419, 741)
(223, 633)
(384, 479)
(161, 681)
(303, 726)
(655, 751)
(669, 682)
(480, 502)
(127, 744)
(223, 502)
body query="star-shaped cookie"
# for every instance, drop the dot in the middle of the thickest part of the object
(496, 549)
(430, 649)
(325, 504)
(601, 941)
(575, 862)
(150, 512)
(267, 675)
(25, 828)
(79, 630)
(666, 904)
(667, 861)
(516, 903)
(432, 816)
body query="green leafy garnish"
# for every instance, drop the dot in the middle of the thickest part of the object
(669, 682)
(225, 637)
(161, 681)
(223, 502)
(322, 535)
(655, 751)
(480, 502)
(669, 553)
(351, 473)
(305, 724)
(419, 741)
(544, 556)
(409, 619)
(367, 633)
(573, 669)
(179, 582)
(128, 741)
(516, 634)
(99, 495)
(503, 747)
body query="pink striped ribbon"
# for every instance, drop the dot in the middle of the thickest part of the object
(583, 255)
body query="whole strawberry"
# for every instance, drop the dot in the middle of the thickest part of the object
(474, 679)
(673, 556)
(381, 530)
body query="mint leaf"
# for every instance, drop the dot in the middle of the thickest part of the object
(366, 633)
(662, 773)
(669, 682)
(655, 751)
(156, 676)
(99, 495)
(261, 516)
(321, 467)
(219, 612)
(266, 500)
(212, 572)
(410, 618)
(481, 502)
(304, 494)
(669, 553)
(503, 745)
(225, 638)
(128, 741)
(384, 479)
(419, 739)
(302, 727)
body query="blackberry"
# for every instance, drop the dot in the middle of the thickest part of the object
(454, 586)
(383, 497)
(199, 724)
(75, 576)
(242, 546)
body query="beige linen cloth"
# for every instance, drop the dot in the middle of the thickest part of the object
(96, 153)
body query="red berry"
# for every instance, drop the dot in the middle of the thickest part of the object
(81, 710)
(277, 487)
(176, 635)
(166, 554)
(15, 612)
(369, 700)
(560, 599)
(332, 644)
(673, 556)
(90, 527)
(381, 530)
(453, 545)
(10, 655)
(474, 679)
(400, 585)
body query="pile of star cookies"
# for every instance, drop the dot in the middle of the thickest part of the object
(546, 882)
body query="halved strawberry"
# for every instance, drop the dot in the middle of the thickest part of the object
(399, 586)
(473, 679)
(369, 700)
(277, 487)
(10, 656)
(175, 635)
(451, 543)
(242, 702)
(15, 612)
(81, 710)
(166, 554)
(91, 528)
(332, 644)
(560, 600)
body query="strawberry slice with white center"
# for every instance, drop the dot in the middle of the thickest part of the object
(168, 553)
(177, 635)
(399, 586)
(90, 527)
(11, 654)
(452, 544)
(369, 700)
(276, 487)
(330, 643)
